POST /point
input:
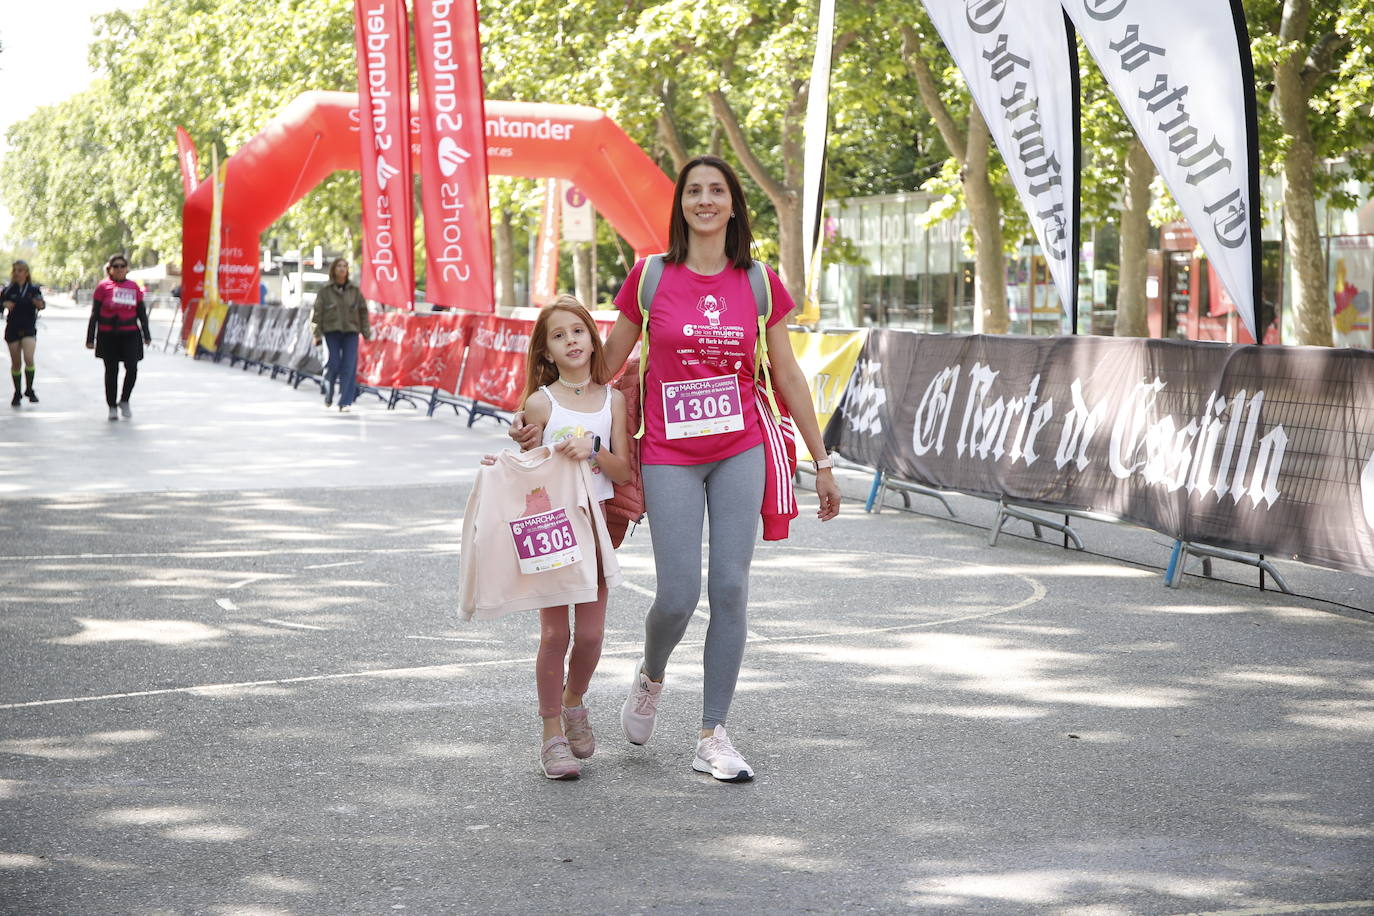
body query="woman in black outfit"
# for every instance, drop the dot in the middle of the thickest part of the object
(118, 314)
(24, 300)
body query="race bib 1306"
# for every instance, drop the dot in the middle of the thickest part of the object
(702, 407)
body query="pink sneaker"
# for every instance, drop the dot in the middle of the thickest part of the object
(717, 756)
(557, 760)
(578, 727)
(641, 706)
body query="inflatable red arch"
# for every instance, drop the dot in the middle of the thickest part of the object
(317, 135)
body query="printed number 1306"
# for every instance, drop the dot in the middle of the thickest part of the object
(708, 407)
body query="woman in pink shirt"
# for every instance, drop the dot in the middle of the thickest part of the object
(706, 460)
(117, 332)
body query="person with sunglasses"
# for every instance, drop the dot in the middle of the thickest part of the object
(117, 331)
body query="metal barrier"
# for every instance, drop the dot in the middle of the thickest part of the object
(1178, 557)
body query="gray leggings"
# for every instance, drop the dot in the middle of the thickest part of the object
(678, 497)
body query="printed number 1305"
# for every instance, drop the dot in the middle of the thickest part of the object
(545, 542)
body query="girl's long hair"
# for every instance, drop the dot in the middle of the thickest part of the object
(14, 270)
(739, 238)
(539, 369)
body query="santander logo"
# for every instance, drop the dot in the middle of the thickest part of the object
(385, 172)
(451, 156)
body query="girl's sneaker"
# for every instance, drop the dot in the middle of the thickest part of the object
(640, 708)
(578, 727)
(717, 756)
(557, 760)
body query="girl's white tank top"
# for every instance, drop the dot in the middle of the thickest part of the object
(565, 423)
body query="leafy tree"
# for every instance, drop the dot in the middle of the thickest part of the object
(99, 172)
(971, 149)
(1115, 187)
(1317, 108)
(59, 190)
(741, 66)
(203, 65)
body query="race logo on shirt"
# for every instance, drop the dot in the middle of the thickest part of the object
(711, 307)
(537, 501)
(713, 342)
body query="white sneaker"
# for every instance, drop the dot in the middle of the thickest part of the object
(640, 707)
(717, 756)
(114, 413)
(124, 409)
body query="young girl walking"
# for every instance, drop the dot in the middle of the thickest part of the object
(567, 393)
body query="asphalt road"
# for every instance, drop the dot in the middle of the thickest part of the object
(232, 681)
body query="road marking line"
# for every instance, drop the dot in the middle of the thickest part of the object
(332, 565)
(1038, 592)
(430, 670)
(451, 639)
(294, 626)
(242, 582)
(226, 604)
(1287, 908)
(230, 554)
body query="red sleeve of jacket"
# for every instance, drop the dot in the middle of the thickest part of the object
(780, 463)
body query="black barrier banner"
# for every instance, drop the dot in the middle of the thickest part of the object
(302, 354)
(235, 331)
(1262, 449)
(277, 346)
(255, 336)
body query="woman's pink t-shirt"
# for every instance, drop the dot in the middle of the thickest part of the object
(698, 382)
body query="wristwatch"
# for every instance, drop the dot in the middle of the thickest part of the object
(823, 463)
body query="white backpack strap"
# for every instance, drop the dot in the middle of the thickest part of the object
(763, 292)
(649, 276)
(763, 305)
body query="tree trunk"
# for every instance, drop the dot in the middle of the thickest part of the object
(791, 233)
(503, 251)
(1132, 319)
(985, 217)
(970, 150)
(584, 276)
(784, 194)
(1308, 266)
(670, 137)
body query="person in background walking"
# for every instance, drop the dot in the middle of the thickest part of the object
(24, 300)
(117, 331)
(340, 315)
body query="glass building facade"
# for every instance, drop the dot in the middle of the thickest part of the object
(890, 263)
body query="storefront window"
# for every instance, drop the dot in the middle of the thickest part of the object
(916, 289)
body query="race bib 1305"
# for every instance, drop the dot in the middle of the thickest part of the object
(545, 541)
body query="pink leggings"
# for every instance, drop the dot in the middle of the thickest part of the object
(553, 648)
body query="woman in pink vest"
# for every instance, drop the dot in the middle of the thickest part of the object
(117, 331)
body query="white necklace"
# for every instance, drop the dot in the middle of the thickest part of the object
(575, 386)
